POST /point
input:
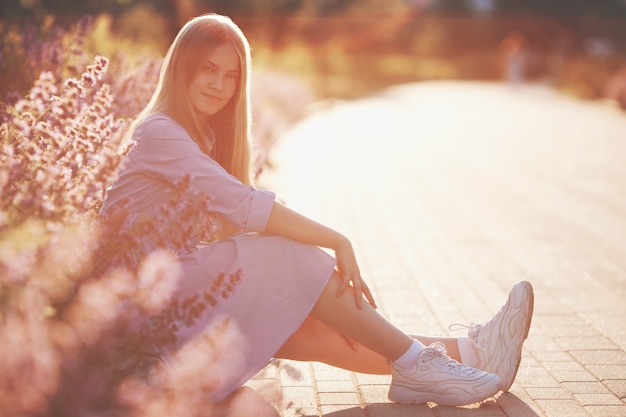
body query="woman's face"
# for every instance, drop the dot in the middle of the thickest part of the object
(215, 82)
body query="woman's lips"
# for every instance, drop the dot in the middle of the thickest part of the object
(212, 97)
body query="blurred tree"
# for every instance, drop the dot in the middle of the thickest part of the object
(17, 8)
(281, 7)
(613, 8)
(10, 9)
(456, 6)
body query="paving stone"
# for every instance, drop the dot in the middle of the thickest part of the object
(339, 398)
(600, 357)
(617, 387)
(559, 356)
(517, 403)
(562, 408)
(535, 381)
(606, 411)
(548, 393)
(583, 387)
(571, 366)
(334, 386)
(373, 394)
(571, 376)
(581, 330)
(585, 343)
(304, 397)
(373, 379)
(598, 399)
(608, 371)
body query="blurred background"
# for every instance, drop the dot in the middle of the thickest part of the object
(340, 48)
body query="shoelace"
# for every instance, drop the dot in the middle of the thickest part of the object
(436, 354)
(473, 328)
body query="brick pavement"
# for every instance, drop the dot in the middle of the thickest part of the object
(452, 192)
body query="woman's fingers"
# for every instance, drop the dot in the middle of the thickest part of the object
(368, 295)
(360, 290)
(345, 282)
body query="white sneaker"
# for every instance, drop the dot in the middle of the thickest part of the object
(439, 379)
(498, 343)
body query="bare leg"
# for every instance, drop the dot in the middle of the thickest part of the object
(409, 384)
(363, 325)
(315, 341)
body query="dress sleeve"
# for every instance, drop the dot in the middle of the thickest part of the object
(166, 152)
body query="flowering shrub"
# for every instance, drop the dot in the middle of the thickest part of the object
(60, 148)
(85, 302)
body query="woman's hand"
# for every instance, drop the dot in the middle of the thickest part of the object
(286, 222)
(349, 271)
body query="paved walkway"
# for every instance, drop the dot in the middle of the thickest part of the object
(452, 192)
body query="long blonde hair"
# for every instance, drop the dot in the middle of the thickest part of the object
(198, 38)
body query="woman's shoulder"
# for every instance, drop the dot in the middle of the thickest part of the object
(159, 132)
(160, 124)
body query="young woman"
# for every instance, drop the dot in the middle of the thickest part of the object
(296, 301)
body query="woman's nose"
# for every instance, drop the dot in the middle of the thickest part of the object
(216, 83)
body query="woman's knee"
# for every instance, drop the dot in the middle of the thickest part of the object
(302, 344)
(315, 341)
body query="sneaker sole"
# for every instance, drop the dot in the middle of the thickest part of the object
(403, 395)
(507, 382)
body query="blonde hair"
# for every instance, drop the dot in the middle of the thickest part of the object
(197, 38)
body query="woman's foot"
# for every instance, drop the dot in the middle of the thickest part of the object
(437, 378)
(498, 343)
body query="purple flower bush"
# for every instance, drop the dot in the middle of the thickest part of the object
(86, 301)
(60, 147)
(86, 305)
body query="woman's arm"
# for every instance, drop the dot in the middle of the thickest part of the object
(288, 223)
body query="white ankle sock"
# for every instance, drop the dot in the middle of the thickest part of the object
(468, 354)
(409, 357)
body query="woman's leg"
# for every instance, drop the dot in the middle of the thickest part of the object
(315, 341)
(363, 325)
(495, 346)
(418, 374)
(366, 326)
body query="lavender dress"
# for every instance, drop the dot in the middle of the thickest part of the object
(282, 278)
